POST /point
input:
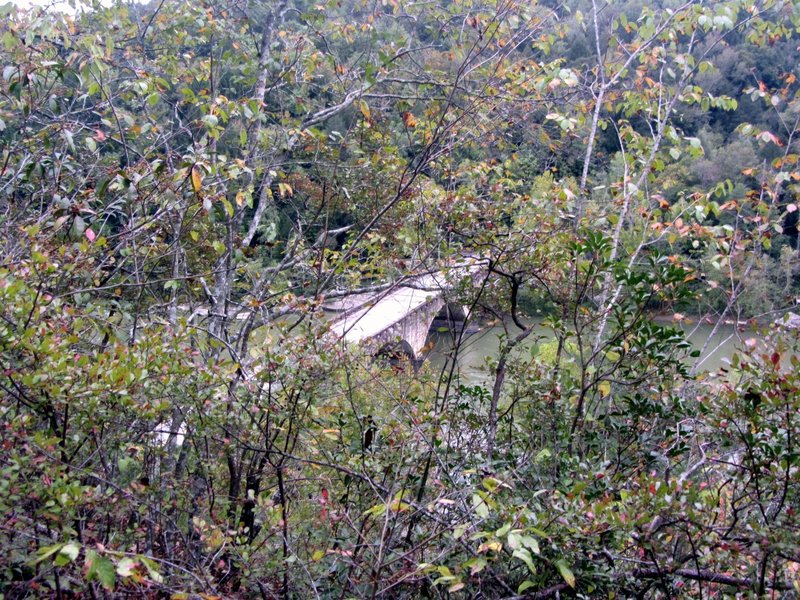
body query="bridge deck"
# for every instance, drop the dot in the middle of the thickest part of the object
(377, 317)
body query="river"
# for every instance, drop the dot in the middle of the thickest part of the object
(484, 344)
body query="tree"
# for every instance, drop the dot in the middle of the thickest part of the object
(185, 185)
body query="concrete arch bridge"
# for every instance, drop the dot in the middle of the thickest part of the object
(400, 319)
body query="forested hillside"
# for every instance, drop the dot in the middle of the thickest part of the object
(187, 187)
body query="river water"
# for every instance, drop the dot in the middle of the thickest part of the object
(483, 345)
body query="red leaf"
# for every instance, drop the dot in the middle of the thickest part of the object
(323, 500)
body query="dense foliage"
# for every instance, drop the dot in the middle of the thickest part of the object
(183, 187)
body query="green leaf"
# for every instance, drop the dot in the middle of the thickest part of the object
(525, 556)
(67, 554)
(228, 206)
(565, 572)
(492, 484)
(481, 508)
(525, 585)
(152, 570)
(100, 569)
(376, 510)
(530, 543)
(476, 565)
(369, 74)
(47, 551)
(125, 567)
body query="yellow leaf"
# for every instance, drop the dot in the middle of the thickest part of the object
(494, 546)
(197, 179)
(398, 505)
(216, 539)
(365, 110)
(604, 387)
(285, 189)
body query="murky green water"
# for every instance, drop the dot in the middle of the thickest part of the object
(477, 348)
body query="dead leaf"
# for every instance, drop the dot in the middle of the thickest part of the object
(197, 179)
(409, 119)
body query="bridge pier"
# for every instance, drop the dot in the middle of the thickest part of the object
(409, 335)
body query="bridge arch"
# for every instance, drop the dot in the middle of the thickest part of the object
(405, 313)
(452, 315)
(411, 333)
